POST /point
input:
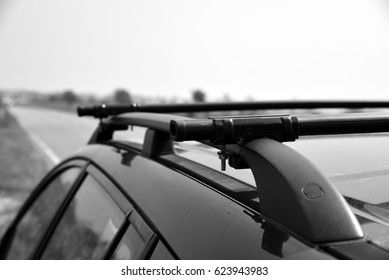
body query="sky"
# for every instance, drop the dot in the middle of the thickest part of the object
(257, 49)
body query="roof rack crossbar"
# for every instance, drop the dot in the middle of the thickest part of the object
(343, 124)
(103, 111)
(282, 128)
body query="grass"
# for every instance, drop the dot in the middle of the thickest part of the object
(22, 166)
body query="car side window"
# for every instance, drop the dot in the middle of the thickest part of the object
(88, 225)
(136, 241)
(36, 220)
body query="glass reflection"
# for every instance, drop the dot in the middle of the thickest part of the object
(135, 240)
(35, 222)
(127, 158)
(88, 225)
(273, 239)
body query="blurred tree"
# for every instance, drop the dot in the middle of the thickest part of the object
(69, 96)
(198, 96)
(90, 99)
(52, 97)
(122, 96)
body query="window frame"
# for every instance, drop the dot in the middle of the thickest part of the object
(122, 200)
(35, 194)
(129, 221)
(63, 211)
(129, 208)
(99, 173)
(114, 191)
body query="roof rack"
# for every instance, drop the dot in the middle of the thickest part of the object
(235, 129)
(292, 191)
(103, 111)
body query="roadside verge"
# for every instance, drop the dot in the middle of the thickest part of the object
(22, 166)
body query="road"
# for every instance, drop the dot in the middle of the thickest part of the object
(57, 133)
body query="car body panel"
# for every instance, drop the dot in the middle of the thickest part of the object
(360, 174)
(197, 221)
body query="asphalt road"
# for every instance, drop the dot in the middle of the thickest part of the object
(57, 133)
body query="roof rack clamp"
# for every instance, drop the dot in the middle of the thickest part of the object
(237, 162)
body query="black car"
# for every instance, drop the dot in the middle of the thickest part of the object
(297, 186)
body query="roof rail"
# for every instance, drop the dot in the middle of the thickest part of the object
(103, 111)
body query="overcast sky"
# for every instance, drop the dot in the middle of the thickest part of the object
(264, 49)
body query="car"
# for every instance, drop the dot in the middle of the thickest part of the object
(302, 182)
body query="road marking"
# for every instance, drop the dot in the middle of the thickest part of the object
(41, 144)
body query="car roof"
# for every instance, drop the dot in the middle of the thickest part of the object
(281, 172)
(185, 211)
